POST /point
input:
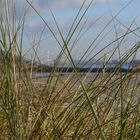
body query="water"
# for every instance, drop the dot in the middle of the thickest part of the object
(46, 74)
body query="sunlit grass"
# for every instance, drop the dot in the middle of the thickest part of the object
(74, 106)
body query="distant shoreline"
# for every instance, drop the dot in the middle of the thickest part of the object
(81, 70)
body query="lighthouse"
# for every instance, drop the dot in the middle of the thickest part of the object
(48, 58)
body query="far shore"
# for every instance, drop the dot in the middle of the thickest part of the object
(82, 70)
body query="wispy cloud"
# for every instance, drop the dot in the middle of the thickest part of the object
(59, 5)
(63, 4)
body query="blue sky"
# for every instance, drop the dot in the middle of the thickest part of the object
(65, 12)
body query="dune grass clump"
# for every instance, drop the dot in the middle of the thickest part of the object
(75, 106)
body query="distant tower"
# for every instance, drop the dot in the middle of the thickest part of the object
(48, 58)
(104, 62)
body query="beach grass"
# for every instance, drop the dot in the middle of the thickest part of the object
(102, 106)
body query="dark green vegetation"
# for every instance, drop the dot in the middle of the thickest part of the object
(103, 106)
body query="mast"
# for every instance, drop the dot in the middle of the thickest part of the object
(48, 58)
(104, 63)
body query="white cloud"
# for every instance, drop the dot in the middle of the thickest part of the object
(34, 23)
(62, 4)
